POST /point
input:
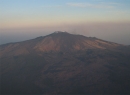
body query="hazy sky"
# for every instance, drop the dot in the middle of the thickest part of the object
(25, 19)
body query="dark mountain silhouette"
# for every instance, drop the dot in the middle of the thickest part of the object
(63, 63)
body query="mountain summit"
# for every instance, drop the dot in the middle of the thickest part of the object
(57, 41)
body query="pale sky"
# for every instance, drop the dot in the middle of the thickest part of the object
(25, 19)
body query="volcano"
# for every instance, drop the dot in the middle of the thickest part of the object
(57, 41)
(64, 63)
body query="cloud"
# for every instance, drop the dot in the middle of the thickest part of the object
(111, 3)
(100, 5)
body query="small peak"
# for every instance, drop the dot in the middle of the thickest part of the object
(60, 32)
(57, 31)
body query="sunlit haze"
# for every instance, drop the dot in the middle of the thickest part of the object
(26, 19)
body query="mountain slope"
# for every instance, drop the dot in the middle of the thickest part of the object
(88, 72)
(58, 41)
(63, 63)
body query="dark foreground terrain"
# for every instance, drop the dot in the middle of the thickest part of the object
(62, 63)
